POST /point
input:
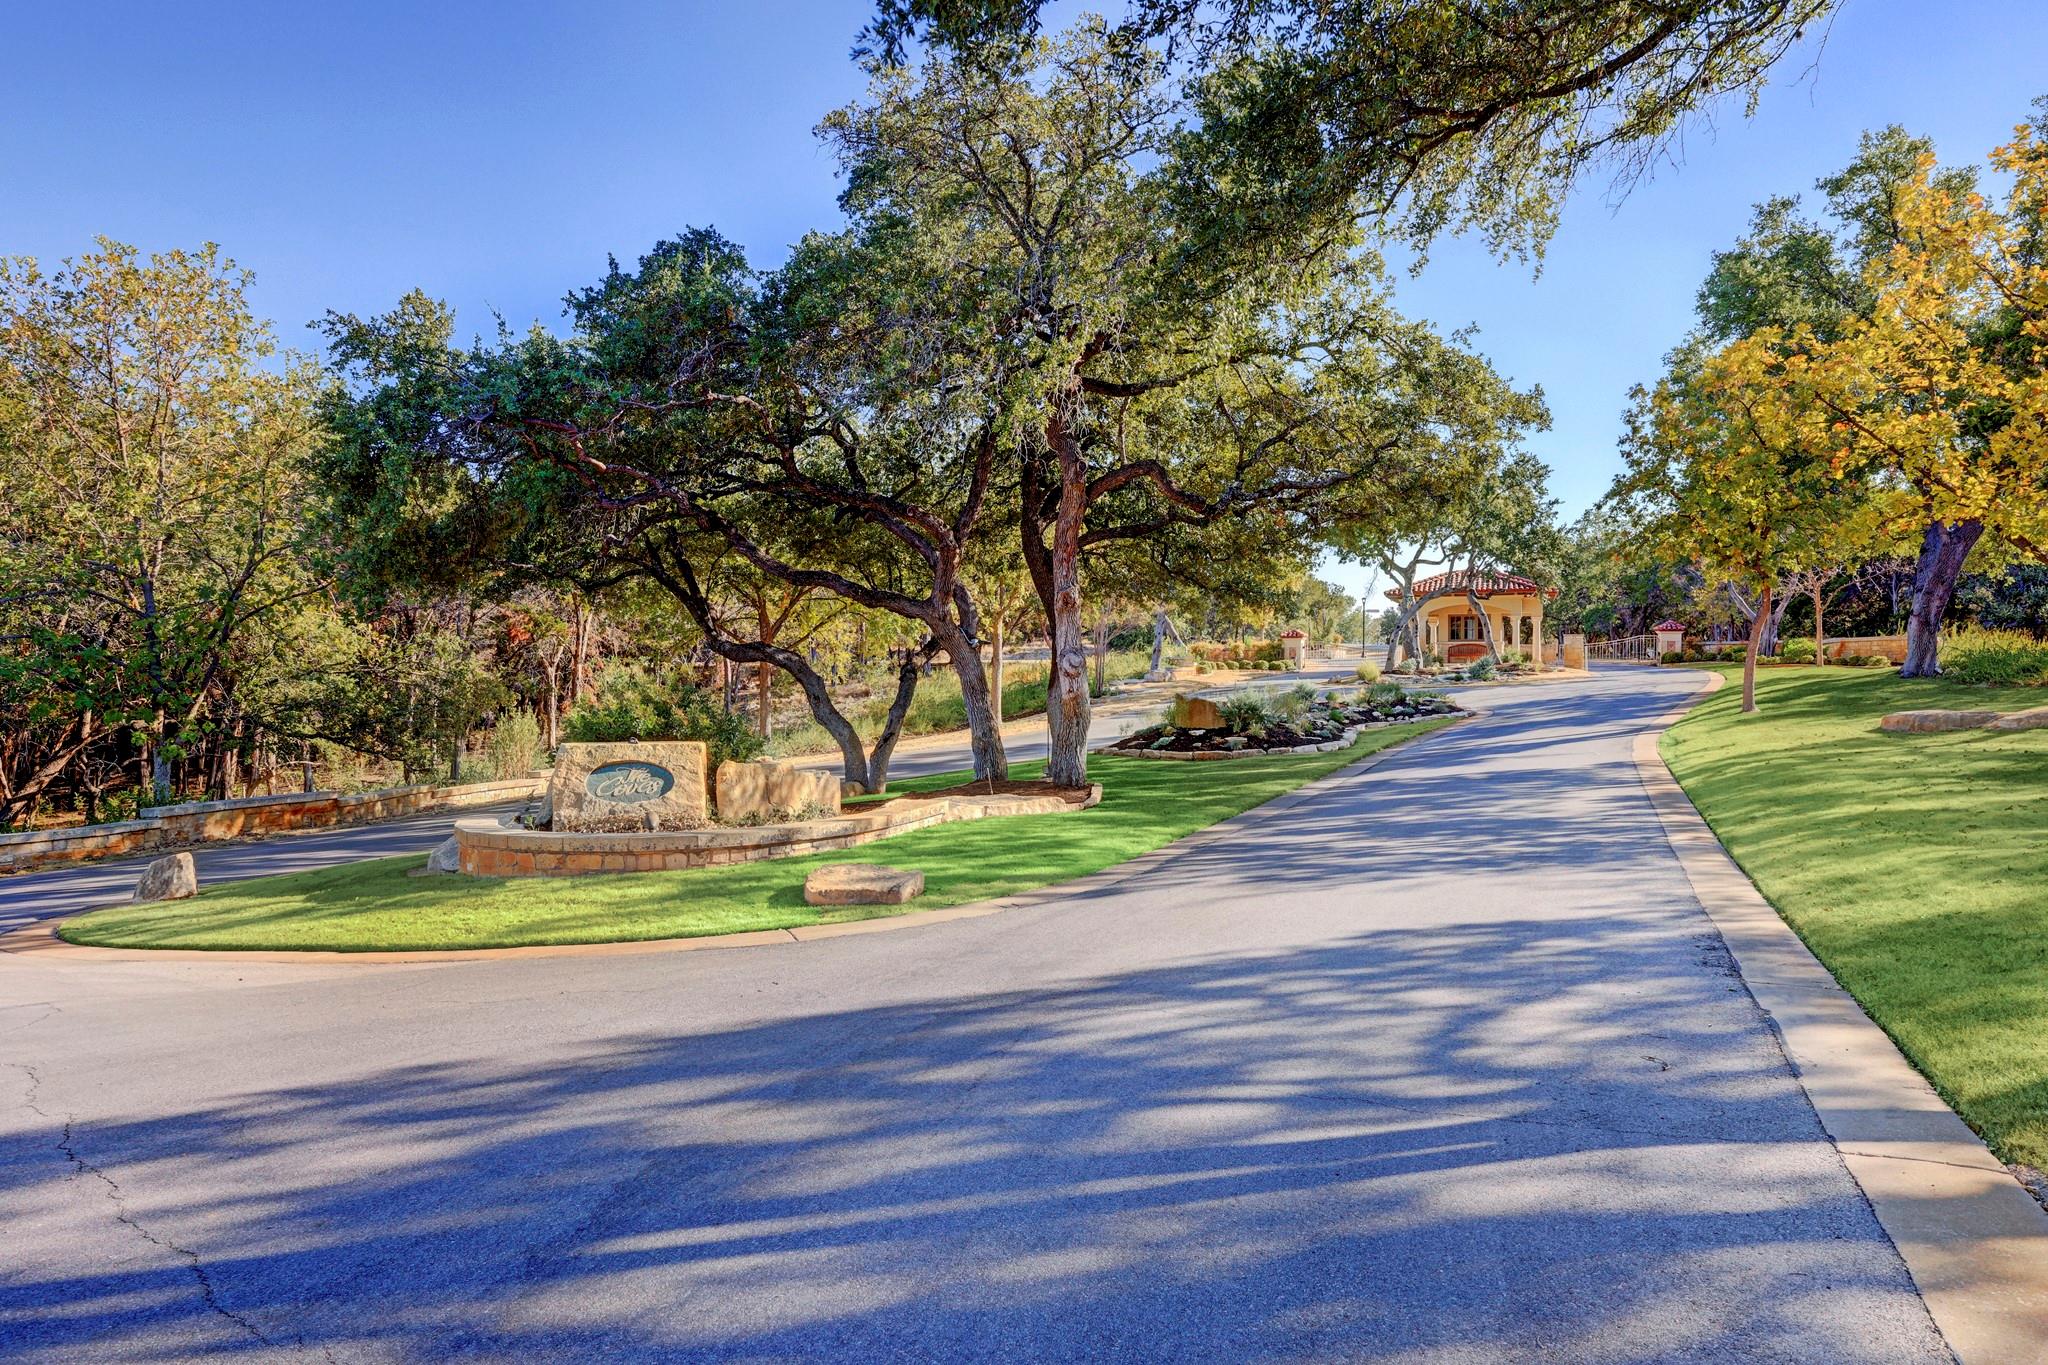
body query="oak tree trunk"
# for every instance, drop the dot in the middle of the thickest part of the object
(1056, 570)
(984, 731)
(1944, 547)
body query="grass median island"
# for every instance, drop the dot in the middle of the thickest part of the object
(371, 906)
(1915, 866)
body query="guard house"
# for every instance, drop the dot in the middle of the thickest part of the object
(1451, 629)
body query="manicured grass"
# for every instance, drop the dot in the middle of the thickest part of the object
(1914, 866)
(375, 905)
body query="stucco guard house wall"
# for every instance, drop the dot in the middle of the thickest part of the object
(1450, 628)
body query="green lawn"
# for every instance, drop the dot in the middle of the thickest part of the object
(1914, 866)
(375, 905)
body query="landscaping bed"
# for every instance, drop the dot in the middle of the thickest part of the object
(1251, 723)
(1911, 864)
(377, 906)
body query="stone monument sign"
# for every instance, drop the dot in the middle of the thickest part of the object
(630, 786)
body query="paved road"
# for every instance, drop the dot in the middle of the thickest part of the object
(61, 891)
(1440, 1064)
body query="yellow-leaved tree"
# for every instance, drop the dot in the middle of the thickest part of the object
(1937, 401)
(1721, 472)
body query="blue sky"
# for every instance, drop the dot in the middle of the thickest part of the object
(493, 154)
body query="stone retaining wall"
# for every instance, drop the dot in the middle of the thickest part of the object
(198, 822)
(1892, 647)
(500, 848)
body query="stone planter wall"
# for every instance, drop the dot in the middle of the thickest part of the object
(500, 848)
(198, 822)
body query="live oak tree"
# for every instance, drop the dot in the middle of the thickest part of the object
(1476, 507)
(699, 412)
(1425, 118)
(1135, 388)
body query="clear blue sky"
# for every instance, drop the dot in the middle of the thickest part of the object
(493, 154)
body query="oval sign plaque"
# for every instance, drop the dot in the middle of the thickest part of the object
(629, 783)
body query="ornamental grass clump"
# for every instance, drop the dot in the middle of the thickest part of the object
(1994, 658)
(1246, 714)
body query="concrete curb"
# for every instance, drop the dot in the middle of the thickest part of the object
(1974, 1240)
(40, 939)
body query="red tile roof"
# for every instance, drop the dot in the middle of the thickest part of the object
(1484, 584)
(1669, 625)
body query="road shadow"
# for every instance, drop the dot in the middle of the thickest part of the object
(1565, 1137)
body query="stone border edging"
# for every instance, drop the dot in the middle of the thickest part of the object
(1972, 1237)
(502, 848)
(40, 939)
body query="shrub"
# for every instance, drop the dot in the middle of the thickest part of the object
(1734, 654)
(1672, 656)
(1876, 661)
(1245, 713)
(1385, 693)
(1799, 651)
(1368, 672)
(1993, 658)
(1480, 669)
(1292, 705)
(1202, 668)
(632, 703)
(513, 749)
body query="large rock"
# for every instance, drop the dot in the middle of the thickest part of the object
(446, 857)
(1194, 713)
(765, 793)
(1934, 722)
(653, 785)
(2033, 719)
(862, 884)
(168, 879)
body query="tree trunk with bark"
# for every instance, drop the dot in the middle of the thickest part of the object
(1820, 635)
(1944, 547)
(1757, 626)
(1486, 631)
(984, 730)
(1056, 572)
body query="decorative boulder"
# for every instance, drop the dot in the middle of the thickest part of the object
(862, 884)
(1934, 722)
(1194, 713)
(2035, 718)
(446, 857)
(656, 785)
(759, 793)
(168, 879)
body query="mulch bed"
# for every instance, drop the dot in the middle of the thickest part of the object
(1326, 725)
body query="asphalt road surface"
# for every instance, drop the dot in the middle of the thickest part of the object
(1442, 1063)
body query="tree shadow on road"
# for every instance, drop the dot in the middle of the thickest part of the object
(1567, 1136)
